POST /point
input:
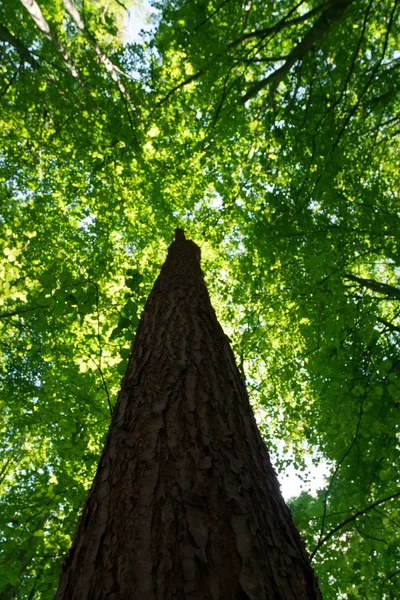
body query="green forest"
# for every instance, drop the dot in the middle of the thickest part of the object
(268, 131)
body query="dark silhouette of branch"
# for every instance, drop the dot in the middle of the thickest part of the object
(255, 34)
(283, 24)
(350, 70)
(224, 95)
(179, 87)
(121, 4)
(331, 15)
(105, 388)
(353, 517)
(368, 83)
(388, 325)
(390, 519)
(375, 286)
(7, 36)
(339, 464)
(10, 82)
(101, 348)
(12, 458)
(15, 313)
(264, 59)
(211, 15)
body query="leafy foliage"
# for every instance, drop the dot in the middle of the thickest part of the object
(270, 135)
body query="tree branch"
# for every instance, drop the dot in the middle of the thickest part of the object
(101, 350)
(283, 24)
(375, 286)
(9, 84)
(353, 517)
(339, 464)
(260, 33)
(368, 82)
(331, 15)
(35, 12)
(15, 313)
(105, 61)
(7, 36)
(211, 15)
(179, 86)
(388, 325)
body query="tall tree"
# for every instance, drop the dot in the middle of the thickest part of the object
(185, 502)
(107, 140)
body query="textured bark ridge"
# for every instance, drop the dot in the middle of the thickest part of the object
(185, 502)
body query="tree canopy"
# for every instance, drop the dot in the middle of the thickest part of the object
(269, 132)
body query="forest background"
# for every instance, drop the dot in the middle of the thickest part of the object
(269, 131)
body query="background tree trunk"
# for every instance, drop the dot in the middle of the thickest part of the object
(185, 502)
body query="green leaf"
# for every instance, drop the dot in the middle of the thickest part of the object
(121, 367)
(47, 279)
(72, 299)
(124, 323)
(116, 332)
(130, 308)
(133, 281)
(38, 533)
(124, 353)
(66, 278)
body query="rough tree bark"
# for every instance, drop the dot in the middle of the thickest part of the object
(185, 502)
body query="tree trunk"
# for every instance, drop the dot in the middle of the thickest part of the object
(185, 502)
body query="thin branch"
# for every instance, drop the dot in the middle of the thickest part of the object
(368, 83)
(368, 536)
(273, 30)
(14, 459)
(339, 464)
(353, 517)
(375, 286)
(105, 61)
(388, 325)
(15, 313)
(100, 348)
(282, 24)
(104, 385)
(265, 59)
(386, 516)
(121, 4)
(331, 15)
(350, 70)
(9, 84)
(7, 36)
(179, 87)
(224, 95)
(211, 15)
